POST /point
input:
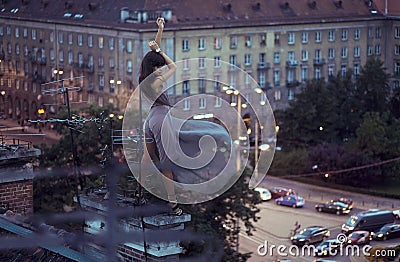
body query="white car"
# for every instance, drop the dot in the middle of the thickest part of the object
(265, 195)
(396, 213)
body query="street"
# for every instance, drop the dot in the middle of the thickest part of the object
(275, 223)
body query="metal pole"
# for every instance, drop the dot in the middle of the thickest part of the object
(239, 117)
(256, 148)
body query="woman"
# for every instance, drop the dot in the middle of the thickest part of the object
(151, 71)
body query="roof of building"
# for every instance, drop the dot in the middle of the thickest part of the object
(139, 14)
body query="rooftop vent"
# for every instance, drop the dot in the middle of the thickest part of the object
(338, 3)
(68, 4)
(368, 3)
(312, 4)
(227, 7)
(284, 5)
(25, 2)
(93, 6)
(45, 3)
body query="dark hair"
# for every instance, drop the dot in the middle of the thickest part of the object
(150, 60)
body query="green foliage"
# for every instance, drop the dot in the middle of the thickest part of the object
(217, 220)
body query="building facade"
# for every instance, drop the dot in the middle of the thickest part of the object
(98, 47)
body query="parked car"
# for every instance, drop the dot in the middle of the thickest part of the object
(388, 231)
(277, 192)
(347, 201)
(291, 201)
(359, 237)
(337, 208)
(310, 235)
(265, 195)
(396, 213)
(328, 247)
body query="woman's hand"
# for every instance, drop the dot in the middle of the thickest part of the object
(153, 45)
(160, 22)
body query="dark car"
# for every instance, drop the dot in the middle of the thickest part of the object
(278, 192)
(347, 201)
(310, 235)
(337, 208)
(291, 201)
(388, 231)
(329, 247)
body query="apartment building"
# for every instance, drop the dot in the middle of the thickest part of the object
(99, 45)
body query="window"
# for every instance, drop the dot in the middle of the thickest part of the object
(277, 95)
(101, 42)
(217, 43)
(370, 50)
(291, 56)
(247, 41)
(202, 43)
(217, 61)
(52, 54)
(247, 59)
(202, 62)
(232, 80)
(33, 34)
(202, 103)
(247, 80)
(26, 51)
(17, 49)
(331, 70)
(1, 31)
(129, 46)
(101, 82)
(80, 60)
(344, 52)
(317, 73)
(304, 73)
(291, 38)
(80, 40)
(331, 53)
(397, 32)
(304, 55)
(90, 61)
(277, 78)
(61, 56)
(112, 84)
(51, 37)
(70, 39)
(111, 43)
(290, 76)
(8, 30)
(276, 39)
(356, 70)
(185, 88)
(186, 104)
(60, 37)
(217, 84)
(16, 32)
(261, 59)
(70, 57)
(101, 62)
(356, 51)
(277, 57)
(185, 45)
(233, 42)
(129, 66)
(331, 35)
(111, 62)
(357, 34)
(218, 102)
(378, 32)
(397, 49)
(304, 37)
(397, 68)
(344, 34)
(261, 78)
(378, 49)
(343, 71)
(186, 64)
(370, 32)
(318, 36)
(101, 101)
(263, 39)
(90, 41)
(290, 94)
(317, 55)
(202, 86)
(232, 60)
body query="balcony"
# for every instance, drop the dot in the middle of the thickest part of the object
(396, 74)
(263, 66)
(79, 65)
(319, 61)
(89, 68)
(292, 63)
(292, 83)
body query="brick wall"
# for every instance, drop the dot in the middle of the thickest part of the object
(17, 196)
